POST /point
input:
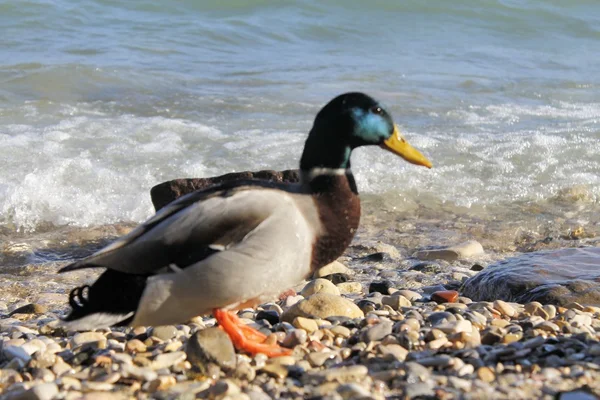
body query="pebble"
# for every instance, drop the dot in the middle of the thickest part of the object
(294, 338)
(504, 308)
(167, 360)
(164, 333)
(308, 324)
(211, 345)
(464, 250)
(93, 339)
(335, 267)
(378, 331)
(350, 287)
(444, 296)
(382, 287)
(409, 294)
(135, 346)
(12, 352)
(396, 301)
(323, 305)
(486, 374)
(352, 373)
(42, 391)
(319, 285)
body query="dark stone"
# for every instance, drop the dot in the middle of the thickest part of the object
(441, 317)
(336, 278)
(382, 287)
(373, 257)
(550, 277)
(477, 267)
(427, 268)
(166, 192)
(31, 308)
(270, 316)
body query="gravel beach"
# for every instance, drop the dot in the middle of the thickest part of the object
(377, 324)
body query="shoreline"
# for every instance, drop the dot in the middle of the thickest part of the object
(402, 346)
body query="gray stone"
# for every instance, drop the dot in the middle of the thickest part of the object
(211, 345)
(555, 277)
(378, 331)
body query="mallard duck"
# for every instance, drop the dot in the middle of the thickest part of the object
(243, 242)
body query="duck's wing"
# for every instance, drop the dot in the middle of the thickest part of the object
(188, 230)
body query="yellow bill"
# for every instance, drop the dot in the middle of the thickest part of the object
(399, 146)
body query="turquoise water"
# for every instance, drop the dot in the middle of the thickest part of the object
(100, 100)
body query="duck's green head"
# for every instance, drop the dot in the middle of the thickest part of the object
(349, 121)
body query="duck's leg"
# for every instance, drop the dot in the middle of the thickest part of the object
(247, 338)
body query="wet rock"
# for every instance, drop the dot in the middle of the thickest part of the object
(323, 305)
(460, 251)
(555, 277)
(211, 345)
(166, 192)
(319, 285)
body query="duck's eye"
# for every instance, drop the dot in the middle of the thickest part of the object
(377, 110)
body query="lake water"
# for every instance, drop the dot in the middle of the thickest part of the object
(101, 99)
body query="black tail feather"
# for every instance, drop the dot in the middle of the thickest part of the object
(114, 292)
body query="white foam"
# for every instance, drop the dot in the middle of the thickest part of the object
(87, 167)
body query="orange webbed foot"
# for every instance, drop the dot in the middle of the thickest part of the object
(247, 338)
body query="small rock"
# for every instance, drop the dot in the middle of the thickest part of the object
(444, 296)
(211, 345)
(319, 286)
(486, 374)
(468, 249)
(335, 267)
(504, 308)
(409, 294)
(348, 374)
(164, 333)
(323, 305)
(270, 316)
(161, 383)
(135, 346)
(43, 391)
(16, 352)
(382, 287)
(394, 350)
(294, 338)
(396, 301)
(350, 287)
(378, 331)
(94, 339)
(167, 360)
(309, 325)
(353, 391)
